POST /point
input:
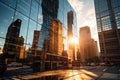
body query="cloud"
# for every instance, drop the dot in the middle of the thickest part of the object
(77, 5)
(85, 14)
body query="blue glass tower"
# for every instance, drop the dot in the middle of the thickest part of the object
(108, 25)
(49, 11)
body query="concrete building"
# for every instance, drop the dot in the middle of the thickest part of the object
(88, 47)
(108, 25)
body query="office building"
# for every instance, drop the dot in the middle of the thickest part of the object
(35, 39)
(108, 25)
(32, 15)
(70, 35)
(56, 39)
(12, 41)
(21, 48)
(88, 47)
(55, 43)
(49, 11)
(35, 15)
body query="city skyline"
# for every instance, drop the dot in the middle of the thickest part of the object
(31, 18)
(60, 39)
(78, 6)
(85, 13)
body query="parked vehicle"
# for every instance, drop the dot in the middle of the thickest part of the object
(14, 64)
(102, 64)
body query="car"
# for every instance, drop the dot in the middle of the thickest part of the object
(102, 64)
(14, 64)
(92, 64)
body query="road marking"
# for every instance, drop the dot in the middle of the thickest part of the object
(105, 69)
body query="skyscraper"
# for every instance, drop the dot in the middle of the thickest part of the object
(11, 46)
(88, 47)
(108, 25)
(35, 39)
(70, 34)
(34, 49)
(49, 11)
(56, 39)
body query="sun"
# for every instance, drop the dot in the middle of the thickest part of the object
(74, 40)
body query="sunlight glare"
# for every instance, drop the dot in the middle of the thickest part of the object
(74, 40)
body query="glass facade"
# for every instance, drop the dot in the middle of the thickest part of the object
(108, 25)
(31, 14)
(107, 14)
(53, 10)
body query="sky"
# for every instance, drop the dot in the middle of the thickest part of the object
(85, 13)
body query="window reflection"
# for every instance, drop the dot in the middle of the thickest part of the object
(2, 41)
(32, 27)
(39, 16)
(116, 3)
(24, 25)
(24, 6)
(26, 10)
(34, 10)
(11, 3)
(5, 19)
(39, 26)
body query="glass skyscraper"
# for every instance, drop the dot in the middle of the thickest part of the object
(49, 11)
(108, 25)
(33, 17)
(53, 10)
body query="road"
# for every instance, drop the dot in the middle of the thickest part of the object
(82, 73)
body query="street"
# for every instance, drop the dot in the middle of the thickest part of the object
(77, 73)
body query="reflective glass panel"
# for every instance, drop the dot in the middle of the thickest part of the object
(32, 27)
(6, 18)
(11, 3)
(24, 25)
(24, 6)
(34, 10)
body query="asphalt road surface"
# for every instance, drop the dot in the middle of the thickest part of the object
(77, 73)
